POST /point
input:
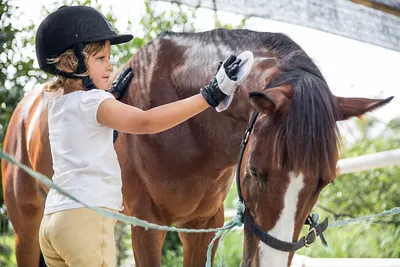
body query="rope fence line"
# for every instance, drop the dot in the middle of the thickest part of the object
(138, 222)
(393, 211)
(220, 232)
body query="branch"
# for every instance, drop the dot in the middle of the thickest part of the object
(335, 215)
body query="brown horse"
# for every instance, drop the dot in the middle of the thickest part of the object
(182, 176)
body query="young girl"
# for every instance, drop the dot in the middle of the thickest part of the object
(73, 43)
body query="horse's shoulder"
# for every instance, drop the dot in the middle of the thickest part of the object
(37, 97)
(28, 118)
(36, 127)
(31, 112)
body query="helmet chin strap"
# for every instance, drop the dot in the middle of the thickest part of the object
(87, 82)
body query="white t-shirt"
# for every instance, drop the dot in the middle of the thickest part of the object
(84, 160)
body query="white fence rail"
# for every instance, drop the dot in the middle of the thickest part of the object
(371, 161)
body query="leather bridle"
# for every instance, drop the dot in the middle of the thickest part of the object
(316, 229)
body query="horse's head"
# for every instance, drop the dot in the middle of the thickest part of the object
(291, 156)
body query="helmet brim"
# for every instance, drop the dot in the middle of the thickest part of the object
(114, 39)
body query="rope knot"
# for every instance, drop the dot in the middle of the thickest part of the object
(240, 208)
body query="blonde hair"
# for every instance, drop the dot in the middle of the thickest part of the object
(68, 62)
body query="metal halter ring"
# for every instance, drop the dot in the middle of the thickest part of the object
(313, 238)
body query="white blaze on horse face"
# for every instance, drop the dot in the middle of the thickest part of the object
(284, 227)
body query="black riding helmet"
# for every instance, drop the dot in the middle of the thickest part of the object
(70, 27)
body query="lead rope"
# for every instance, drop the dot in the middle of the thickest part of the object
(236, 221)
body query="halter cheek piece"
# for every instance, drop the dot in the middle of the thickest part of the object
(248, 220)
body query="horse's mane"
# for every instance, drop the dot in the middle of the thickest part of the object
(308, 139)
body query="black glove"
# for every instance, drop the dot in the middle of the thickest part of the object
(121, 83)
(212, 92)
(118, 88)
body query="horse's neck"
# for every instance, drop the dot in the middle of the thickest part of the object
(221, 132)
(168, 70)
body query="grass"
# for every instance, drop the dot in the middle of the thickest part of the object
(7, 255)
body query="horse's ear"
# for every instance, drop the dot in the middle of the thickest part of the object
(269, 101)
(356, 107)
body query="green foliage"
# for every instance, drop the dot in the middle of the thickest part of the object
(178, 18)
(362, 240)
(172, 251)
(231, 250)
(16, 69)
(370, 191)
(6, 252)
(219, 24)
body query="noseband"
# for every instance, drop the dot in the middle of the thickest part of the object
(248, 220)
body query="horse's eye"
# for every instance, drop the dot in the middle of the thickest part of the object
(253, 172)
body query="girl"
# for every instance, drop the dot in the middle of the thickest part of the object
(73, 43)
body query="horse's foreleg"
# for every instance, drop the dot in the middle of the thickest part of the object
(195, 245)
(147, 244)
(27, 249)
